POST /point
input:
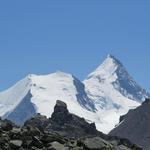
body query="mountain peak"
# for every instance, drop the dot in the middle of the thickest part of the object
(110, 56)
(113, 59)
(108, 68)
(112, 72)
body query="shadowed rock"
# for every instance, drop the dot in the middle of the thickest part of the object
(135, 126)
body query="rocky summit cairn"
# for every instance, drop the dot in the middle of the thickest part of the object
(63, 131)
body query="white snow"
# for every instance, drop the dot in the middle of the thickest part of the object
(10, 98)
(52, 87)
(45, 90)
(110, 103)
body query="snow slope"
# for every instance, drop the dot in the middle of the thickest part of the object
(107, 93)
(38, 94)
(113, 91)
(10, 98)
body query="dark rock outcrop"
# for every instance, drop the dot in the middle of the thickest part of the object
(64, 123)
(135, 126)
(61, 114)
(63, 131)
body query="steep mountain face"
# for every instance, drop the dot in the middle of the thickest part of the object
(107, 93)
(135, 126)
(113, 91)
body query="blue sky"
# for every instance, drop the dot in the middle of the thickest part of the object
(73, 36)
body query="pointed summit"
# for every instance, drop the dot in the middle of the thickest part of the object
(110, 56)
(108, 69)
(114, 91)
(112, 72)
(114, 59)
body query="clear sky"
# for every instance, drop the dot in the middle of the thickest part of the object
(43, 36)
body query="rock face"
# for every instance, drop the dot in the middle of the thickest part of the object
(64, 123)
(61, 114)
(135, 126)
(64, 131)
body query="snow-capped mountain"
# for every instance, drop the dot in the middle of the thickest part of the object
(107, 93)
(38, 94)
(113, 91)
(112, 72)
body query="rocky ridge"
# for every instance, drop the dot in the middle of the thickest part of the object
(63, 131)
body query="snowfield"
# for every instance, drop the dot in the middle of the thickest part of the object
(107, 93)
